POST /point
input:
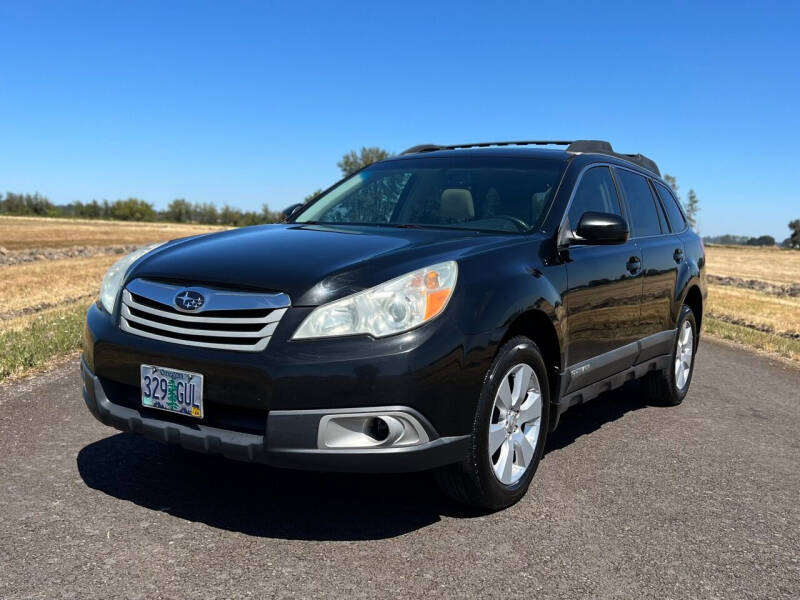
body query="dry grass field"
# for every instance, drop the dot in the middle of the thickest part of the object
(773, 265)
(762, 311)
(21, 289)
(43, 301)
(764, 321)
(21, 233)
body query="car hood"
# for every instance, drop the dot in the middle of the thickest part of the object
(313, 264)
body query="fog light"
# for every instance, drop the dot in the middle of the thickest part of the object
(370, 430)
(377, 429)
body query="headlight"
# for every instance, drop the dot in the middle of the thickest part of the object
(114, 276)
(392, 307)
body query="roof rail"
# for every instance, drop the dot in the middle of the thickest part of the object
(576, 147)
(434, 147)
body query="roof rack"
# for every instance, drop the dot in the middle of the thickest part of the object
(575, 147)
(434, 147)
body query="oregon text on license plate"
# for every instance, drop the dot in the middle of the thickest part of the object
(172, 390)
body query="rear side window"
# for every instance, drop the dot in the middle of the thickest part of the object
(674, 214)
(596, 193)
(641, 204)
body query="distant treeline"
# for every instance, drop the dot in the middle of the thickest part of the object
(740, 240)
(134, 209)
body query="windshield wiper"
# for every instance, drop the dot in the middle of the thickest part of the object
(405, 225)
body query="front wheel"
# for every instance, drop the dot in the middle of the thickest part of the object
(509, 431)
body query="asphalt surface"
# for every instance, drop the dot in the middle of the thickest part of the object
(630, 501)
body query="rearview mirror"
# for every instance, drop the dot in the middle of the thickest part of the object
(290, 211)
(602, 228)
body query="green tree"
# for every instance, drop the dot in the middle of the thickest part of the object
(205, 213)
(90, 210)
(268, 216)
(794, 238)
(672, 181)
(762, 240)
(179, 211)
(353, 161)
(692, 204)
(132, 209)
(13, 204)
(172, 395)
(313, 195)
(229, 215)
(692, 207)
(27, 204)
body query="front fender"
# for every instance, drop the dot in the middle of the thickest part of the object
(494, 297)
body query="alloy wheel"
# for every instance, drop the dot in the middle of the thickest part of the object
(515, 423)
(684, 353)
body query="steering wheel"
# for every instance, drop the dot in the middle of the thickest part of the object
(519, 223)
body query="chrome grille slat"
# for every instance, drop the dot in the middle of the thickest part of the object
(267, 330)
(218, 301)
(275, 315)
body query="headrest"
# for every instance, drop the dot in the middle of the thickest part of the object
(456, 205)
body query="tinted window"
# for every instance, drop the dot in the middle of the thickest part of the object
(641, 204)
(674, 214)
(465, 192)
(596, 193)
(373, 202)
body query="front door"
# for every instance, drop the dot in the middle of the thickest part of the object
(604, 290)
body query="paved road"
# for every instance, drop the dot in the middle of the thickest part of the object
(630, 502)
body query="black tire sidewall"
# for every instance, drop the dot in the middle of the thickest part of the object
(518, 350)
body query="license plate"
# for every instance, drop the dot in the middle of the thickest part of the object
(172, 390)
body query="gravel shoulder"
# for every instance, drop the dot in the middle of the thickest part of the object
(631, 501)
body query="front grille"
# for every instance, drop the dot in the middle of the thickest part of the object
(227, 320)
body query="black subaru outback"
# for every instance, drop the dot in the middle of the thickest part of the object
(436, 310)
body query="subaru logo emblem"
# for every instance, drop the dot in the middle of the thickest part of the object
(189, 300)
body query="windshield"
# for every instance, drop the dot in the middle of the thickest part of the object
(492, 194)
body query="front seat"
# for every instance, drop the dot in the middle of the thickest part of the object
(456, 205)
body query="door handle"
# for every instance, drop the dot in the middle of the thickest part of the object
(678, 255)
(634, 264)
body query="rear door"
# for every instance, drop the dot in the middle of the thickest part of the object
(661, 253)
(604, 288)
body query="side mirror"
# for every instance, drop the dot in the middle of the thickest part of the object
(602, 228)
(290, 211)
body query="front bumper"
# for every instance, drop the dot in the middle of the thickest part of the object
(290, 438)
(267, 406)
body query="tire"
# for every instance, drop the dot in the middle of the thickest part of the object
(669, 387)
(483, 479)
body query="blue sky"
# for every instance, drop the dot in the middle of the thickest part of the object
(253, 102)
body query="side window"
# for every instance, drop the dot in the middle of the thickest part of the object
(641, 204)
(674, 214)
(596, 192)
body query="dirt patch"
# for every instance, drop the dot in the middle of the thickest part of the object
(29, 310)
(18, 257)
(791, 290)
(758, 327)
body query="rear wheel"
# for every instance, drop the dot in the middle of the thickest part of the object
(669, 387)
(509, 431)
